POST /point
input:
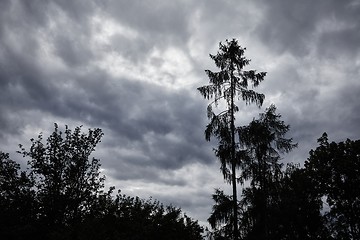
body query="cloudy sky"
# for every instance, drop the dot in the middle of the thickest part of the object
(132, 68)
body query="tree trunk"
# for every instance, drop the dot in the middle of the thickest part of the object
(233, 163)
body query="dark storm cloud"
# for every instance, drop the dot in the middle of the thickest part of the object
(73, 52)
(95, 97)
(294, 26)
(100, 104)
(22, 85)
(159, 17)
(226, 19)
(26, 82)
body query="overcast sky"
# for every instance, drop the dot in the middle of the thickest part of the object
(132, 68)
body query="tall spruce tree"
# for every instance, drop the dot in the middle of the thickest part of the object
(229, 85)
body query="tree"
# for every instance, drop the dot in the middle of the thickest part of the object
(229, 84)
(261, 143)
(67, 181)
(334, 170)
(263, 140)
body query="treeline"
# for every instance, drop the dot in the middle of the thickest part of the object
(62, 196)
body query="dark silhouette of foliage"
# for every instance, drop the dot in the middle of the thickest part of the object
(17, 205)
(67, 180)
(293, 211)
(62, 197)
(228, 85)
(320, 201)
(221, 218)
(261, 143)
(334, 170)
(133, 218)
(297, 214)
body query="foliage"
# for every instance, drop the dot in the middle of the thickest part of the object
(334, 170)
(261, 143)
(229, 83)
(62, 197)
(17, 205)
(320, 201)
(221, 218)
(67, 180)
(133, 218)
(297, 214)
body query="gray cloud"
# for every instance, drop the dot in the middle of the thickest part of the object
(296, 26)
(159, 17)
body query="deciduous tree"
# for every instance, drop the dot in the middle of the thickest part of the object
(67, 180)
(334, 169)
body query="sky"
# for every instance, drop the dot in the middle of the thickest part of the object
(132, 68)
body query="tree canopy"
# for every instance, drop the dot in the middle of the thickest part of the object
(334, 171)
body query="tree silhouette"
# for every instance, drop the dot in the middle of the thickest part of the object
(334, 170)
(221, 217)
(263, 141)
(67, 181)
(229, 84)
